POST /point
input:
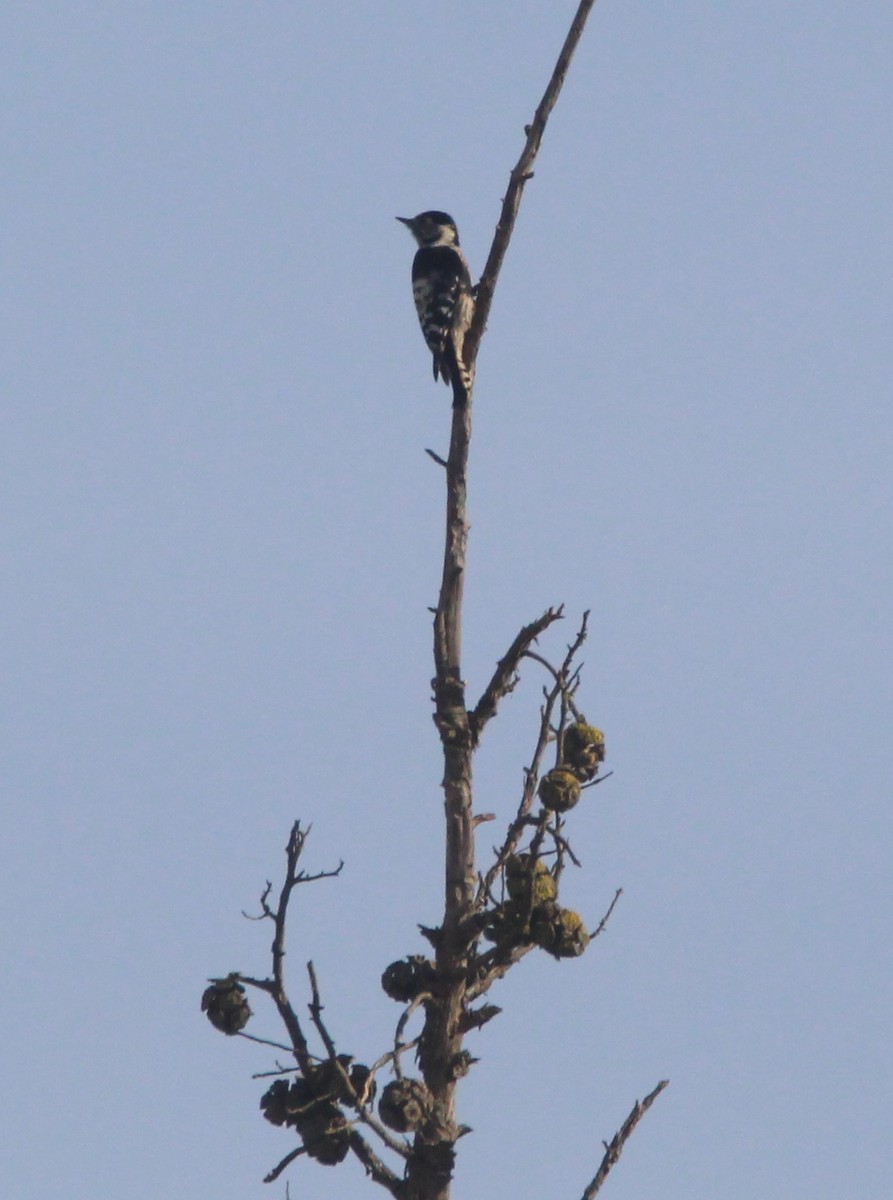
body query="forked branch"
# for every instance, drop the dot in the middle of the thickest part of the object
(275, 987)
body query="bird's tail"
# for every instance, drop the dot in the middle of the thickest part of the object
(454, 372)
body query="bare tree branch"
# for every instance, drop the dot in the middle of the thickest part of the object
(614, 1148)
(275, 986)
(562, 845)
(522, 817)
(493, 965)
(399, 1045)
(562, 676)
(505, 676)
(273, 1175)
(293, 877)
(316, 1008)
(264, 1041)
(390, 1140)
(375, 1168)
(394, 1056)
(521, 172)
(600, 928)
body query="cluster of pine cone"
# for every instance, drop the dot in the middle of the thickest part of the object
(532, 912)
(311, 1104)
(582, 752)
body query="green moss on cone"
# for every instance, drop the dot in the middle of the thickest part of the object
(529, 883)
(583, 749)
(559, 790)
(559, 931)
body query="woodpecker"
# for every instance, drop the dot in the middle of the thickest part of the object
(441, 288)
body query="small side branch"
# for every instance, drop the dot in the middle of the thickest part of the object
(276, 986)
(493, 965)
(505, 676)
(273, 1175)
(528, 795)
(600, 928)
(375, 1168)
(565, 678)
(614, 1148)
(262, 1041)
(316, 1007)
(316, 1010)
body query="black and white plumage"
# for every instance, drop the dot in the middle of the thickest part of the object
(441, 288)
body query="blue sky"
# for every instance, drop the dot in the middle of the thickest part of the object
(220, 537)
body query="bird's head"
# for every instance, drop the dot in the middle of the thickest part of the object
(432, 228)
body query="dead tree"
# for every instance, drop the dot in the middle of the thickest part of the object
(398, 1114)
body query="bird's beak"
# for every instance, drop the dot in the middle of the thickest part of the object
(406, 221)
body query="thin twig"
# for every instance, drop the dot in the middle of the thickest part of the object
(606, 918)
(390, 1055)
(280, 1167)
(262, 985)
(266, 1042)
(544, 662)
(274, 1074)
(562, 844)
(399, 1046)
(594, 782)
(316, 1008)
(614, 1148)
